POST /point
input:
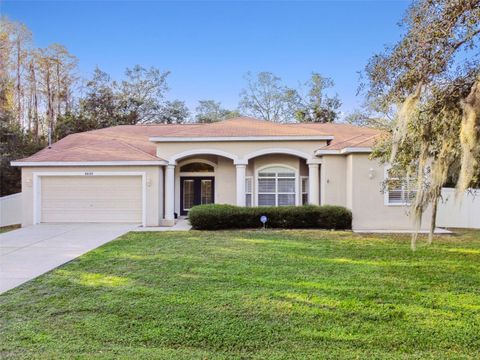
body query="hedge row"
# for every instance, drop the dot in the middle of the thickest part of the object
(216, 217)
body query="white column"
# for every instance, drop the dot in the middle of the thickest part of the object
(241, 169)
(313, 184)
(170, 193)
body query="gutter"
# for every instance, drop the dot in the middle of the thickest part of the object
(344, 151)
(239, 138)
(88, 163)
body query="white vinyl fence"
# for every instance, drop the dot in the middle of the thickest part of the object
(461, 213)
(11, 209)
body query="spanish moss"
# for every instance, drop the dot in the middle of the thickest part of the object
(469, 138)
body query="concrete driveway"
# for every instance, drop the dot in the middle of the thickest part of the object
(32, 251)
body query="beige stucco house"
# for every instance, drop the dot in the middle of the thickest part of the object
(149, 174)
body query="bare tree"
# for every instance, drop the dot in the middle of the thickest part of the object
(314, 104)
(56, 68)
(142, 93)
(17, 40)
(38, 82)
(33, 118)
(173, 112)
(267, 98)
(209, 111)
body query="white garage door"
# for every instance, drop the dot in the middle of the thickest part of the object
(91, 199)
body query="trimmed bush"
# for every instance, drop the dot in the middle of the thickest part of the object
(216, 217)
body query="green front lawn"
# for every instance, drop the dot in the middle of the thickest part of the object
(252, 294)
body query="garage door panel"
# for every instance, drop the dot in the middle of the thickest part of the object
(100, 192)
(54, 216)
(91, 199)
(93, 204)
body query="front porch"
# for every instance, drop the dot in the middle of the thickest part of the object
(262, 179)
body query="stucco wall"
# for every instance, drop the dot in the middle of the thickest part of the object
(345, 181)
(225, 182)
(350, 182)
(367, 200)
(275, 159)
(239, 149)
(303, 167)
(225, 175)
(333, 180)
(228, 153)
(154, 197)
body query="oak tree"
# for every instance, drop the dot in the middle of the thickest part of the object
(431, 80)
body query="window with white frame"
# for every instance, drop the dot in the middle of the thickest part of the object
(399, 189)
(304, 184)
(276, 186)
(248, 190)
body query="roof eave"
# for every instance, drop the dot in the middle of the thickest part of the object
(89, 163)
(344, 151)
(240, 138)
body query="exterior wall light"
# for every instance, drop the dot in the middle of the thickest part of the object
(149, 182)
(29, 182)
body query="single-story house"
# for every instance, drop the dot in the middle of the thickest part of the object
(149, 174)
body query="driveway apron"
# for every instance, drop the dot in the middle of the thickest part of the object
(32, 251)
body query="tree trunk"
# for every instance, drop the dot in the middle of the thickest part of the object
(433, 221)
(49, 101)
(67, 99)
(19, 86)
(35, 99)
(29, 112)
(53, 112)
(58, 92)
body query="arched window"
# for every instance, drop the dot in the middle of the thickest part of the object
(276, 186)
(197, 167)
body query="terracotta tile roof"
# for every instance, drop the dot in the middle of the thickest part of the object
(240, 127)
(122, 143)
(347, 136)
(362, 140)
(131, 142)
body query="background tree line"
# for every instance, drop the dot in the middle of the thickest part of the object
(43, 93)
(42, 97)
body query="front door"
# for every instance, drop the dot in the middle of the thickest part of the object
(195, 190)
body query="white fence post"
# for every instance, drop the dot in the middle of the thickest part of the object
(11, 210)
(464, 213)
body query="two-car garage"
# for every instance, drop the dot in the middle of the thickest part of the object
(90, 197)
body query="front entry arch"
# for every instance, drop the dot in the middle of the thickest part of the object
(195, 152)
(286, 151)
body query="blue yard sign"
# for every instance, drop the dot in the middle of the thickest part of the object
(264, 220)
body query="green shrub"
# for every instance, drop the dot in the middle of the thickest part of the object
(216, 217)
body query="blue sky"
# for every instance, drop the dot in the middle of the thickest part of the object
(209, 46)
